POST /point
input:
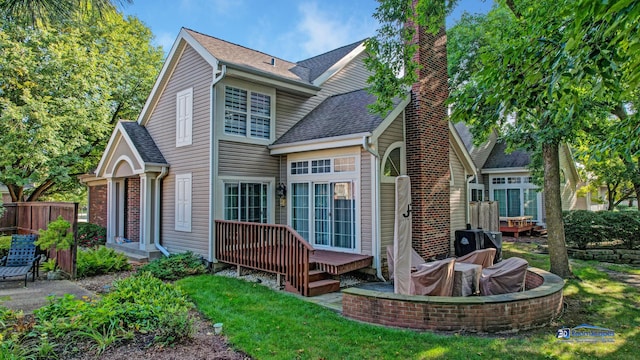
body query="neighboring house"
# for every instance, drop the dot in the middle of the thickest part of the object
(4, 194)
(505, 177)
(230, 133)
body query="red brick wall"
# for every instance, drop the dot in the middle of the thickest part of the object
(427, 133)
(498, 313)
(98, 205)
(132, 209)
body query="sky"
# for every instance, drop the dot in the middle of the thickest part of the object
(289, 29)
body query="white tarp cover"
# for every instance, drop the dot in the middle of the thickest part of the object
(416, 260)
(504, 277)
(402, 237)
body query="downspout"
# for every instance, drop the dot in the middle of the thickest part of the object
(156, 220)
(376, 209)
(213, 167)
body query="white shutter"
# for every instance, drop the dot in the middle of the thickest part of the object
(184, 111)
(183, 202)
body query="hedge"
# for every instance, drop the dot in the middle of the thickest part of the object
(585, 229)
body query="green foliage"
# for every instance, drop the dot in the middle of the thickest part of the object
(603, 228)
(49, 265)
(174, 267)
(102, 260)
(91, 235)
(5, 245)
(140, 304)
(56, 235)
(45, 12)
(62, 89)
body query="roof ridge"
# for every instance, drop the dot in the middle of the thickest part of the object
(238, 45)
(336, 49)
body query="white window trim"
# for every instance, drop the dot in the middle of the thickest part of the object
(353, 177)
(220, 101)
(188, 120)
(187, 203)
(521, 186)
(403, 162)
(270, 181)
(477, 187)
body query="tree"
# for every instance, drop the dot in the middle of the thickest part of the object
(539, 66)
(42, 12)
(61, 92)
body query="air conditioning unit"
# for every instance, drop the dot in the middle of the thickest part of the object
(468, 241)
(493, 239)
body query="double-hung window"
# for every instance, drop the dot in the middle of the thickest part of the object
(247, 113)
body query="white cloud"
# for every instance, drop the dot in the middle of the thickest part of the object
(323, 31)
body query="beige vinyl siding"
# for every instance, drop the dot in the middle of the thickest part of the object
(290, 108)
(458, 198)
(393, 133)
(244, 159)
(192, 71)
(366, 195)
(122, 149)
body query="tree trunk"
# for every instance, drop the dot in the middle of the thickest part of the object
(553, 211)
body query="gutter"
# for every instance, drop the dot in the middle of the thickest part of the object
(376, 209)
(213, 171)
(156, 220)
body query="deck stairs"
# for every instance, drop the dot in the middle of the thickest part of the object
(325, 268)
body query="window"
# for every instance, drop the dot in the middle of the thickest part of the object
(476, 195)
(245, 201)
(333, 213)
(320, 166)
(347, 164)
(299, 167)
(393, 162)
(183, 202)
(184, 118)
(516, 196)
(247, 110)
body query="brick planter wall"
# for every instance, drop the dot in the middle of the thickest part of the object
(532, 308)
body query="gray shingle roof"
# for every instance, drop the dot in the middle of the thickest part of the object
(317, 65)
(143, 142)
(465, 134)
(304, 71)
(338, 115)
(500, 159)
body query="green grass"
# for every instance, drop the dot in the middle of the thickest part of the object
(623, 268)
(275, 325)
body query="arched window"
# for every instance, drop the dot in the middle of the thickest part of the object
(393, 162)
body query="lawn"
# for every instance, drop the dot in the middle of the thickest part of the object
(275, 325)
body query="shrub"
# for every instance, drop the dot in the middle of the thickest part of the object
(91, 262)
(5, 244)
(603, 228)
(140, 304)
(91, 235)
(175, 267)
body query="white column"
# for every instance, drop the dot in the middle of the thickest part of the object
(111, 211)
(146, 211)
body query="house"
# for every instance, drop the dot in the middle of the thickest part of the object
(505, 177)
(231, 136)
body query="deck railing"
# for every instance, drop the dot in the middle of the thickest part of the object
(266, 247)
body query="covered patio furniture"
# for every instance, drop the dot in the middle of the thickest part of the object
(416, 260)
(505, 277)
(21, 259)
(433, 278)
(482, 257)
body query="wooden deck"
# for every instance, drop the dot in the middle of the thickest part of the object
(337, 263)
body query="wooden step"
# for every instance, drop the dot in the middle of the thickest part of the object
(316, 275)
(323, 287)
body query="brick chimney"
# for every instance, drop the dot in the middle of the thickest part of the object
(427, 142)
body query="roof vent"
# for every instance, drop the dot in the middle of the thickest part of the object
(273, 61)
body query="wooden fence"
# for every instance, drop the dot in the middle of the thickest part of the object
(485, 215)
(31, 217)
(267, 247)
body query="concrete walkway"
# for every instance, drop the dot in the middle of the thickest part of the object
(15, 296)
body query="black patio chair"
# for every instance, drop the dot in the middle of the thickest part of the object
(21, 259)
